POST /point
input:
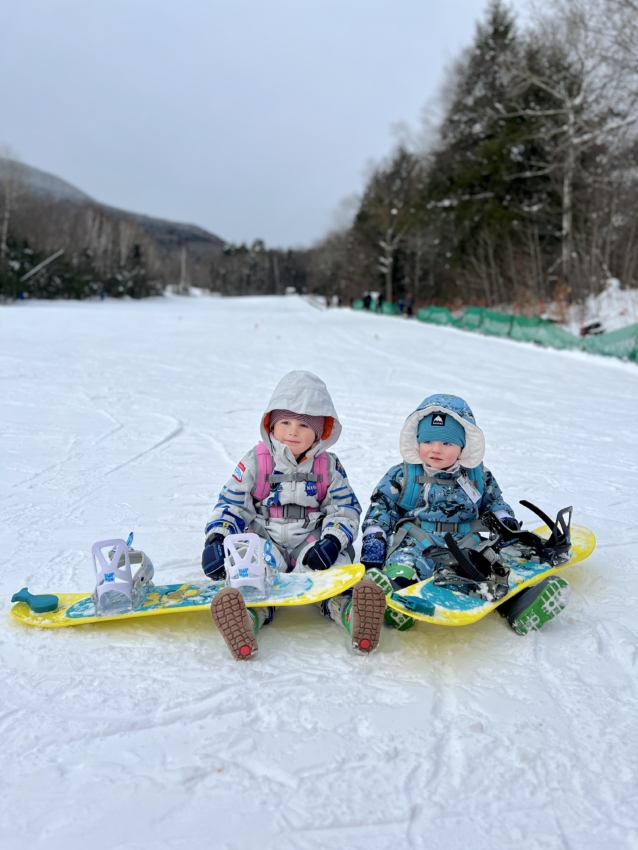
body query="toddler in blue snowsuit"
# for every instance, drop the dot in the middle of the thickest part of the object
(441, 488)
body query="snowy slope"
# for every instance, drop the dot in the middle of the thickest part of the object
(120, 416)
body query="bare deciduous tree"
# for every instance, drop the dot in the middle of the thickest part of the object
(593, 92)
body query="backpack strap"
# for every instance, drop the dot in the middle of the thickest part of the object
(413, 478)
(477, 476)
(265, 478)
(320, 469)
(264, 471)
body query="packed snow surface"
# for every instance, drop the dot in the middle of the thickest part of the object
(146, 734)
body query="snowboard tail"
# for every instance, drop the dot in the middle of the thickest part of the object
(288, 589)
(442, 606)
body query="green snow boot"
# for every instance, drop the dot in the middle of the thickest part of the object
(535, 606)
(396, 619)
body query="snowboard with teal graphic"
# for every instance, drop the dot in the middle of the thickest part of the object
(445, 607)
(58, 610)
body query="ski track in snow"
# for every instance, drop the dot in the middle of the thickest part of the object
(130, 416)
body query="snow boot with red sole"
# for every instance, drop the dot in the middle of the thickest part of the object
(366, 616)
(231, 617)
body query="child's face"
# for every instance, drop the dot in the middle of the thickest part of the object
(295, 434)
(439, 455)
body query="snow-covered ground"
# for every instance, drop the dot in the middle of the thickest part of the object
(121, 416)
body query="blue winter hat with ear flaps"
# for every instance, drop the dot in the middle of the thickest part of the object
(440, 427)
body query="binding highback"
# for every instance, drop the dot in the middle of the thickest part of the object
(114, 573)
(244, 561)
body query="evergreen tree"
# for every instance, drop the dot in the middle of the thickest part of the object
(386, 215)
(470, 193)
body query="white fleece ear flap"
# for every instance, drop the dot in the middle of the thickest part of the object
(472, 454)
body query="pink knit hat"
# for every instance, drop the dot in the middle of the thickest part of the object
(314, 422)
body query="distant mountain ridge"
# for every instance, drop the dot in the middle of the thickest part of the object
(167, 234)
(42, 183)
(52, 214)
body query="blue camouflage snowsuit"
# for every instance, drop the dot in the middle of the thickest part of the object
(412, 533)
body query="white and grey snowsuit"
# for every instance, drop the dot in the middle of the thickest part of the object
(292, 534)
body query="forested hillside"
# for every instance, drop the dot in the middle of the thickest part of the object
(57, 242)
(95, 248)
(525, 191)
(529, 189)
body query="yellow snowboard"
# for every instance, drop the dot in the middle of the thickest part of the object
(76, 609)
(444, 607)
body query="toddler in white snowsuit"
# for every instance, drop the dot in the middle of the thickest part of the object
(292, 493)
(442, 487)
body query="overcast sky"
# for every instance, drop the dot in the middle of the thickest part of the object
(251, 118)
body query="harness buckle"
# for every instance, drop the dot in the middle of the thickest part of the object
(447, 526)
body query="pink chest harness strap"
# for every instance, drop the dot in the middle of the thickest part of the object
(265, 478)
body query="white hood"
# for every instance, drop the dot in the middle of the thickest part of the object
(459, 409)
(303, 392)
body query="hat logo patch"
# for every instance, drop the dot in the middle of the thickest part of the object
(439, 419)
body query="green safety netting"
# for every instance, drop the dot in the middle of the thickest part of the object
(533, 329)
(495, 324)
(358, 304)
(471, 319)
(437, 315)
(550, 334)
(525, 328)
(507, 325)
(621, 343)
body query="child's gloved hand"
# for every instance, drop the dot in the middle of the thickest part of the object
(373, 551)
(511, 523)
(323, 554)
(213, 558)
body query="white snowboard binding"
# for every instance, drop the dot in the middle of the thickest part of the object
(117, 588)
(246, 568)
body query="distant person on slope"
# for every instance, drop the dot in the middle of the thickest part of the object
(296, 496)
(441, 488)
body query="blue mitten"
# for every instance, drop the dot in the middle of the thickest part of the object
(213, 558)
(511, 523)
(373, 551)
(323, 554)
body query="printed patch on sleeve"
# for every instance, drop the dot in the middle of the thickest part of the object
(340, 468)
(238, 474)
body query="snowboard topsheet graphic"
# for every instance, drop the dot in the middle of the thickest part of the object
(75, 609)
(444, 607)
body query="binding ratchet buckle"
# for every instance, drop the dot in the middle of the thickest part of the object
(476, 572)
(555, 550)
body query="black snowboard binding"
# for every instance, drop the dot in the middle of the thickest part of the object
(475, 572)
(555, 550)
